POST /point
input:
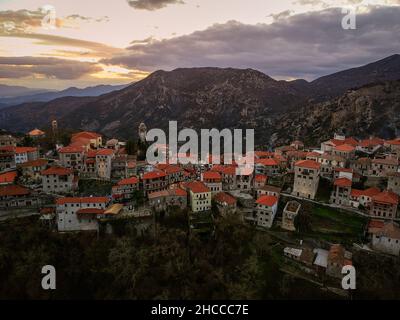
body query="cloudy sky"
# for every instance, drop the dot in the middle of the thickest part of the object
(62, 43)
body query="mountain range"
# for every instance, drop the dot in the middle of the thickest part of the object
(48, 95)
(7, 91)
(364, 101)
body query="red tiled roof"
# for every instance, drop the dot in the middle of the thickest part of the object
(197, 187)
(91, 153)
(34, 163)
(387, 161)
(7, 149)
(90, 211)
(171, 169)
(71, 149)
(80, 142)
(180, 192)
(371, 142)
(35, 133)
(351, 141)
(13, 190)
(222, 197)
(263, 154)
(313, 154)
(261, 178)
(131, 164)
(86, 135)
(336, 142)
(212, 175)
(376, 224)
(387, 197)
(8, 177)
(62, 201)
(395, 142)
(25, 149)
(153, 175)
(105, 152)
(267, 200)
(310, 164)
(345, 148)
(368, 192)
(58, 171)
(267, 162)
(388, 230)
(229, 170)
(128, 181)
(343, 182)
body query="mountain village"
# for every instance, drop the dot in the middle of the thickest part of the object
(347, 187)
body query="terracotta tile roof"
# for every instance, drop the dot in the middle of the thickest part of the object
(154, 175)
(58, 171)
(267, 162)
(158, 194)
(197, 187)
(86, 135)
(332, 157)
(343, 182)
(35, 133)
(90, 211)
(387, 197)
(388, 230)
(25, 149)
(13, 190)
(7, 149)
(223, 197)
(395, 142)
(104, 152)
(335, 142)
(62, 201)
(351, 141)
(229, 170)
(261, 178)
(128, 181)
(263, 154)
(34, 163)
(212, 175)
(313, 154)
(345, 148)
(8, 177)
(80, 142)
(368, 192)
(376, 223)
(71, 149)
(171, 169)
(267, 200)
(131, 164)
(270, 188)
(179, 192)
(386, 161)
(91, 153)
(310, 164)
(372, 142)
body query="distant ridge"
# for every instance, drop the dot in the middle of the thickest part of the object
(69, 92)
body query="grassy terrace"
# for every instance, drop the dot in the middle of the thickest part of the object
(92, 187)
(336, 225)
